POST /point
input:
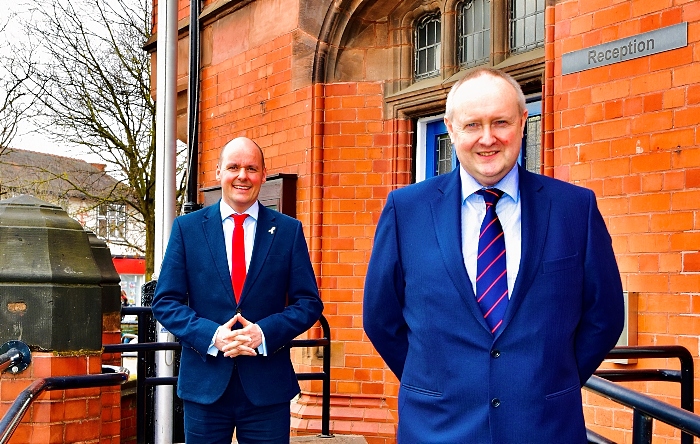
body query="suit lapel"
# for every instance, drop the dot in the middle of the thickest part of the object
(214, 233)
(535, 207)
(447, 220)
(264, 235)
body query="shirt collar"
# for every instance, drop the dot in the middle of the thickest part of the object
(509, 184)
(227, 211)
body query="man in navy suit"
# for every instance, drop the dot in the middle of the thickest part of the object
(465, 376)
(235, 371)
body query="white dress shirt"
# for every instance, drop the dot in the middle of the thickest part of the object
(250, 224)
(508, 210)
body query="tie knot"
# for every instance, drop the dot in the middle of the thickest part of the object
(490, 195)
(238, 219)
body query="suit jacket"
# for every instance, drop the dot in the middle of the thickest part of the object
(460, 383)
(194, 296)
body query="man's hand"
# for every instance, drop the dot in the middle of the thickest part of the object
(238, 342)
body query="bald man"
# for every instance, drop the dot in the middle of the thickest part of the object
(236, 286)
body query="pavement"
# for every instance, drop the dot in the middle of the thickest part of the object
(336, 439)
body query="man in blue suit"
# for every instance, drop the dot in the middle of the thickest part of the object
(235, 371)
(511, 371)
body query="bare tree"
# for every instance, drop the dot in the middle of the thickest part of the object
(14, 99)
(94, 92)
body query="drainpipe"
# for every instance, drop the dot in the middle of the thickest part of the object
(191, 203)
(166, 149)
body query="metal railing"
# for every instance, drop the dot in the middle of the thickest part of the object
(645, 408)
(146, 344)
(19, 407)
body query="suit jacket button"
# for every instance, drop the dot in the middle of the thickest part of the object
(495, 353)
(495, 402)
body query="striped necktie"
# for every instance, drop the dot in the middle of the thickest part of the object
(491, 280)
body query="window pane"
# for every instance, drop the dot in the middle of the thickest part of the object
(539, 28)
(422, 64)
(518, 8)
(478, 16)
(478, 46)
(519, 34)
(529, 30)
(530, 7)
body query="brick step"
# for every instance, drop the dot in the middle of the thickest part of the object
(371, 420)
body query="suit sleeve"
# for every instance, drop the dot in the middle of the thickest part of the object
(603, 305)
(304, 306)
(383, 318)
(170, 303)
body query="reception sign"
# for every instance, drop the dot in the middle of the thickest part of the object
(653, 42)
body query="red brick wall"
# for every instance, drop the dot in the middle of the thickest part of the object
(628, 132)
(77, 415)
(128, 417)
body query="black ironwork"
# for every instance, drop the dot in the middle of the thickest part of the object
(646, 409)
(149, 381)
(20, 406)
(594, 438)
(684, 376)
(15, 357)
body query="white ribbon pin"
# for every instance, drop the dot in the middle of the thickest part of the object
(271, 230)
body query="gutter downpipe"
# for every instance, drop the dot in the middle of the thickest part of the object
(191, 202)
(166, 151)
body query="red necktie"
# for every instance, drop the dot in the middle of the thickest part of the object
(238, 256)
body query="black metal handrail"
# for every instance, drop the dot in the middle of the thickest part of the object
(645, 409)
(145, 344)
(25, 399)
(684, 376)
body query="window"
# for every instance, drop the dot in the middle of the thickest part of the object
(473, 29)
(111, 221)
(526, 25)
(427, 49)
(443, 154)
(434, 153)
(530, 156)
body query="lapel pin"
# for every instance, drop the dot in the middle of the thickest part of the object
(272, 230)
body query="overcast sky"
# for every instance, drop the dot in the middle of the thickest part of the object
(27, 138)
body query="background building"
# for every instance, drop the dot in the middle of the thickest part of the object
(87, 193)
(347, 96)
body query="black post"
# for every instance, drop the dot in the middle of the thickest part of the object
(642, 428)
(687, 386)
(146, 367)
(326, 405)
